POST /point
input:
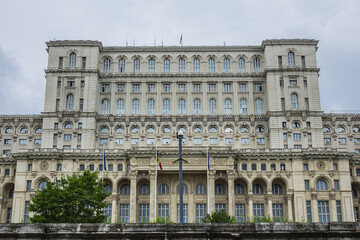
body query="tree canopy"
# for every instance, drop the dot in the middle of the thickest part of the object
(76, 199)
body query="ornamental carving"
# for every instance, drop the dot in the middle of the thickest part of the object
(321, 165)
(44, 166)
(314, 196)
(332, 196)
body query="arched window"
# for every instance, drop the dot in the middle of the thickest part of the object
(11, 193)
(24, 130)
(258, 189)
(294, 101)
(144, 189)
(260, 129)
(9, 130)
(220, 189)
(104, 130)
(72, 62)
(121, 65)
(356, 129)
(197, 129)
(229, 129)
(196, 65)
(244, 130)
(259, 106)
(200, 189)
(185, 189)
(135, 130)
(166, 129)
(70, 102)
(212, 106)
(136, 65)
(241, 65)
(105, 106)
(119, 130)
(150, 130)
(321, 185)
(226, 65)
(166, 106)
(243, 106)
(107, 63)
(151, 106)
(166, 65)
(228, 106)
(197, 106)
(239, 189)
(42, 185)
(163, 189)
(291, 59)
(120, 106)
(340, 129)
(125, 189)
(108, 188)
(151, 66)
(181, 65)
(256, 65)
(296, 125)
(212, 129)
(68, 126)
(38, 130)
(326, 129)
(211, 65)
(181, 106)
(135, 106)
(276, 189)
(183, 129)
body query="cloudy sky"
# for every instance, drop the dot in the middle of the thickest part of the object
(25, 26)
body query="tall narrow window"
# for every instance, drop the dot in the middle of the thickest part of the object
(303, 63)
(228, 106)
(259, 106)
(308, 211)
(283, 104)
(243, 106)
(197, 106)
(83, 62)
(200, 212)
(57, 104)
(196, 65)
(211, 65)
(324, 215)
(166, 65)
(107, 65)
(72, 62)
(181, 106)
(70, 102)
(307, 103)
(278, 212)
(105, 106)
(163, 211)
(136, 65)
(120, 106)
(185, 213)
(135, 106)
(151, 66)
(151, 106)
(166, 106)
(294, 101)
(61, 62)
(258, 211)
(121, 65)
(181, 65)
(124, 213)
(280, 61)
(81, 104)
(212, 106)
(226, 65)
(144, 212)
(241, 65)
(256, 65)
(291, 59)
(240, 212)
(338, 211)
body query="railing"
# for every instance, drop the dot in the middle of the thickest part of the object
(346, 111)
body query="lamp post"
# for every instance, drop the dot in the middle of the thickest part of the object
(180, 136)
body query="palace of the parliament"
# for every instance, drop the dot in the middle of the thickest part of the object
(254, 109)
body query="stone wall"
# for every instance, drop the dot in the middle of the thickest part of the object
(182, 231)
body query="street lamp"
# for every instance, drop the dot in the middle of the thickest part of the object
(180, 136)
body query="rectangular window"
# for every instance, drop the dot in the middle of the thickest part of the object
(105, 88)
(280, 61)
(56, 125)
(61, 62)
(242, 87)
(55, 137)
(357, 151)
(29, 167)
(166, 87)
(324, 214)
(144, 213)
(260, 140)
(67, 147)
(263, 167)
(79, 136)
(213, 141)
(307, 185)
(298, 146)
(163, 211)
(244, 140)
(303, 63)
(305, 83)
(58, 167)
(70, 84)
(257, 87)
(82, 167)
(281, 82)
(356, 214)
(7, 141)
(82, 83)
(342, 140)
(197, 87)
(67, 137)
(81, 104)
(309, 135)
(80, 125)
(119, 141)
(338, 211)
(240, 212)
(110, 167)
(229, 140)
(22, 141)
(296, 136)
(107, 212)
(278, 213)
(285, 136)
(335, 167)
(282, 167)
(220, 207)
(306, 103)
(26, 212)
(8, 216)
(83, 62)
(197, 140)
(273, 167)
(305, 167)
(120, 167)
(283, 104)
(212, 87)
(28, 185)
(121, 87)
(136, 87)
(244, 167)
(200, 212)
(150, 140)
(336, 185)
(293, 82)
(185, 213)
(166, 140)
(91, 167)
(7, 152)
(308, 211)
(124, 213)
(227, 87)
(327, 140)
(258, 211)
(151, 87)
(103, 141)
(100, 167)
(57, 104)
(356, 140)
(181, 87)
(253, 167)
(58, 84)
(134, 141)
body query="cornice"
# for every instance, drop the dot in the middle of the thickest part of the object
(292, 69)
(181, 75)
(71, 70)
(81, 43)
(298, 41)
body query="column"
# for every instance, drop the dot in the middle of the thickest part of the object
(114, 207)
(290, 207)
(250, 210)
(332, 206)
(211, 192)
(270, 211)
(314, 207)
(231, 196)
(173, 206)
(191, 208)
(133, 202)
(152, 196)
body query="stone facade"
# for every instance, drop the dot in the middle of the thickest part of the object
(254, 109)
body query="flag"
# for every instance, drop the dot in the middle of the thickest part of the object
(158, 159)
(104, 161)
(208, 160)
(181, 42)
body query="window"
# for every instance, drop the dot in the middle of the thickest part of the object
(81, 104)
(324, 215)
(336, 185)
(297, 136)
(213, 141)
(135, 106)
(70, 102)
(135, 130)
(72, 62)
(9, 130)
(326, 130)
(282, 167)
(280, 61)
(305, 83)
(107, 212)
(303, 63)
(26, 212)
(185, 213)
(226, 65)
(212, 87)
(7, 152)
(356, 129)
(211, 65)
(57, 105)
(356, 140)
(144, 189)
(166, 106)
(263, 167)
(257, 87)
(144, 210)
(119, 167)
(321, 185)
(150, 140)
(42, 185)
(291, 59)
(125, 189)
(285, 136)
(8, 216)
(105, 106)
(121, 65)
(244, 140)
(227, 106)
(28, 185)
(185, 189)
(260, 140)
(181, 65)
(120, 106)
(340, 129)
(200, 212)
(293, 82)
(163, 211)
(273, 167)
(181, 106)
(258, 189)
(119, 141)
(240, 212)
(124, 213)
(212, 106)
(151, 106)
(197, 129)
(105, 88)
(256, 65)
(244, 129)
(61, 61)
(151, 66)
(166, 87)
(335, 167)
(253, 167)
(197, 87)
(239, 189)
(212, 129)
(22, 141)
(107, 65)
(258, 211)
(166, 65)
(67, 137)
(229, 140)
(134, 140)
(200, 189)
(108, 188)
(151, 87)
(136, 87)
(181, 87)
(228, 129)
(244, 167)
(294, 101)
(338, 211)
(197, 140)
(356, 214)
(308, 211)
(327, 140)
(342, 140)
(163, 189)
(7, 141)
(121, 87)
(220, 207)
(241, 65)
(29, 167)
(305, 167)
(136, 65)
(277, 212)
(227, 87)
(296, 125)
(220, 189)
(197, 106)
(196, 65)
(307, 103)
(307, 185)
(242, 87)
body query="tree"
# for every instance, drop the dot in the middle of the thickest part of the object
(77, 199)
(219, 217)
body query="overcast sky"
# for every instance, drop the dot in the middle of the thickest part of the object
(26, 25)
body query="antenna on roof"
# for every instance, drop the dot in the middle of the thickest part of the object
(162, 40)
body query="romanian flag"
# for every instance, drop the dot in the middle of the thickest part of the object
(158, 159)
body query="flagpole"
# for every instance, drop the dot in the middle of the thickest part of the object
(102, 174)
(207, 179)
(156, 163)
